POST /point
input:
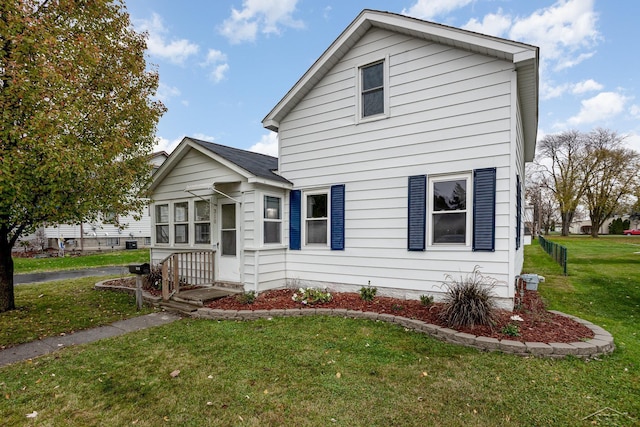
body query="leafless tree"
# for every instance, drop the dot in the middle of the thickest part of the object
(613, 179)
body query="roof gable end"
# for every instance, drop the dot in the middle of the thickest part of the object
(525, 58)
(253, 166)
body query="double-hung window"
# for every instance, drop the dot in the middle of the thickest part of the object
(373, 90)
(202, 220)
(181, 222)
(456, 210)
(316, 218)
(272, 219)
(162, 223)
(449, 206)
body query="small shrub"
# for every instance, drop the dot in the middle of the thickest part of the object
(311, 296)
(154, 278)
(426, 300)
(368, 293)
(469, 301)
(511, 330)
(397, 307)
(247, 297)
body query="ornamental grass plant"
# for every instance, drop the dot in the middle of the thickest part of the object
(469, 300)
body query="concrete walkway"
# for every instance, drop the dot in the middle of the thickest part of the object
(49, 345)
(49, 276)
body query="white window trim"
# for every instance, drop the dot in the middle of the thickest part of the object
(469, 210)
(196, 222)
(263, 219)
(187, 222)
(303, 214)
(156, 223)
(385, 79)
(236, 225)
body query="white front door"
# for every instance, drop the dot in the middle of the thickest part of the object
(228, 256)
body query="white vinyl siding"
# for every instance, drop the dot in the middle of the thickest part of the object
(449, 110)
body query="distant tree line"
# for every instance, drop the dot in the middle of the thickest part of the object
(575, 170)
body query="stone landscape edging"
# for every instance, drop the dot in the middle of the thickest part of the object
(601, 344)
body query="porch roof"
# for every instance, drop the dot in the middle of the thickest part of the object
(260, 165)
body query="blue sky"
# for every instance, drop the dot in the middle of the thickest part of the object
(225, 64)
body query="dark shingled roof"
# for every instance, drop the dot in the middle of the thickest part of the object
(258, 164)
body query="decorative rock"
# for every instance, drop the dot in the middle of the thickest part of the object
(488, 343)
(538, 348)
(510, 346)
(602, 343)
(464, 338)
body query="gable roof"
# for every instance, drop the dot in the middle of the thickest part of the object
(255, 167)
(525, 58)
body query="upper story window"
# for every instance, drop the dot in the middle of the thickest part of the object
(272, 219)
(181, 222)
(316, 218)
(372, 89)
(450, 216)
(202, 220)
(162, 223)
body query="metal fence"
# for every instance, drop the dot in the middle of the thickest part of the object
(557, 252)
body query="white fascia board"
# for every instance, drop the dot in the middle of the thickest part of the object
(258, 180)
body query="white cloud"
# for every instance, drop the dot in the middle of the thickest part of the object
(632, 141)
(586, 86)
(204, 137)
(569, 62)
(166, 92)
(562, 31)
(428, 9)
(603, 106)
(495, 24)
(264, 16)
(220, 65)
(549, 90)
(268, 145)
(176, 51)
(164, 144)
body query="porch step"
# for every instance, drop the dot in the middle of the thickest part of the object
(178, 307)
(201, 296)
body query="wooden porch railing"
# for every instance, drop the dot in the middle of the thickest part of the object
(186, 269)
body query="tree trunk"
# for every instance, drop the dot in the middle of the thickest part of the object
(7, 300)
(566, 222)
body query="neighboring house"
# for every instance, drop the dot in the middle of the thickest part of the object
(103, 234)
(401, 160)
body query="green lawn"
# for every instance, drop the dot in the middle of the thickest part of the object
(103, 259)
(334, 371)
(53, 308)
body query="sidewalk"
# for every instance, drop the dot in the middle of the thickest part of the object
(49, 345)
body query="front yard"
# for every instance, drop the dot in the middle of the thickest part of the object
(336, 371)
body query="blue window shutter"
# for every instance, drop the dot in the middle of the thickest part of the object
(337, 217)
(484, 209)
(417, 213)
(294, 219)
(518, 211)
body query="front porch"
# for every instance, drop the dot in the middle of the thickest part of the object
(188, 281)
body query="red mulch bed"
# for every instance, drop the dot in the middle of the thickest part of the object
(538, 325)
